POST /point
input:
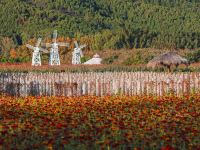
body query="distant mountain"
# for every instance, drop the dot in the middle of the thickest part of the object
(110, 23)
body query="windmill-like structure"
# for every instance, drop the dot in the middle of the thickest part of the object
(54, 54)
(36, 58)
(77, 53)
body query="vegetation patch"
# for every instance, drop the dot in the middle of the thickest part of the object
(138, 58)
(100, 24)
(110, 59)
(194, 56)
(117, 122)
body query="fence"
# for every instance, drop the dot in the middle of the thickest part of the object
(99, 84)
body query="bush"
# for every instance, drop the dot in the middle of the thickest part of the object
(84, 59)
(110, 60)
(4, 60)
(14, 60)
(194, 56)
(11, 60)
(138, 58)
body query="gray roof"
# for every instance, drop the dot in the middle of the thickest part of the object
(167, 59)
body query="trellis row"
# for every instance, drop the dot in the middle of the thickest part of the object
(107, 83)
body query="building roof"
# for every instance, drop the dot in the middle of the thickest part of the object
(96, 60)
(167, 59)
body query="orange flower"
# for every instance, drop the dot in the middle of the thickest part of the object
(167, 148)
(59, 125)
(1, 141)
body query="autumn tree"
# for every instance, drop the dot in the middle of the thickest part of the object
(13, 54)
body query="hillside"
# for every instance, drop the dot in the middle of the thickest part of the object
(104, 24)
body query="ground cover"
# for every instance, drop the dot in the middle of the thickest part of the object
(26, 67)
(110, 122)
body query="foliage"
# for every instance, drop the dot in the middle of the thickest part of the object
(13, 53)
(110, 122)
(194, 56)
(6, 44)
(84, 59)
(22, 67)
(110, 59)
(108, 24)
(138, 58)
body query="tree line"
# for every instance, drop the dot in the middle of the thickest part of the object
(105, 24)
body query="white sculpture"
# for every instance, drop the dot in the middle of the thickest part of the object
(36, 59)
(77, 53)
(54, 54)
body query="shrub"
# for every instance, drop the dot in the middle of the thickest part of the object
(4, 60)
(84, 59)
(138, 58)
(110, 59)
(193, 56)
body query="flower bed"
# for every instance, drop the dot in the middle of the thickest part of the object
(143, 122)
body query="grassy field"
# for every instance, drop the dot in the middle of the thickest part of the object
(26, 67)
(113, 60)
(140, 122)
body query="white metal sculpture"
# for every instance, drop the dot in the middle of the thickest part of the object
(36, 58)
(54, 54)
(77, 53)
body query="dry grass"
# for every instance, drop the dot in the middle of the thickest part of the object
(123, 55)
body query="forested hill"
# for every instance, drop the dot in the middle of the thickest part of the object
(110, 24)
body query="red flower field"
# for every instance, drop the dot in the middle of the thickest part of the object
(117, 122)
